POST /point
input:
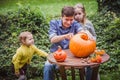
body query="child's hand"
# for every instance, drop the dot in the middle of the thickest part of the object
(88, 33)
(17, 74)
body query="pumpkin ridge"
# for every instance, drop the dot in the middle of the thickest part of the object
(81, 46)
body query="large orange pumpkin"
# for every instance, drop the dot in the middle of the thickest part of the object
(59, 55)
(81, 45)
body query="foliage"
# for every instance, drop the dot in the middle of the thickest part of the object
(11, 24)
(108, 37)
(109, 5)
(111, 76)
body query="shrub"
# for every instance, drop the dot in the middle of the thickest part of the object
(109, 5)
(108, 37)
(11, 25)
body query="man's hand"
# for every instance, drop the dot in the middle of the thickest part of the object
(61, 37)
(69, 36)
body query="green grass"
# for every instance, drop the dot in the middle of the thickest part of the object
(49, 7)
(107, 76)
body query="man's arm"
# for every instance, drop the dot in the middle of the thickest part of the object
(59, 38)
(54, 38)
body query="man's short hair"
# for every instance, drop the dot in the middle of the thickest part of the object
(67, 11)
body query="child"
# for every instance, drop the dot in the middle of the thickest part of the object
(24, 54)
(80, 16)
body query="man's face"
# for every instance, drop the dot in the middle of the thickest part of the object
(67, 21)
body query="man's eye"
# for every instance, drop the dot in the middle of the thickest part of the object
(71, 20)
(67, 19)
(75, 13)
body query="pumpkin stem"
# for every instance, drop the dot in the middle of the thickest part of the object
(59, 48)
(84, 36)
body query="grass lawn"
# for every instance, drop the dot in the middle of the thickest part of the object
(108, 76)
(48, 7)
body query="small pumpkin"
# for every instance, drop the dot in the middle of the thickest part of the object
(97, 59)
(100, 52)
(81, 45)
(60, 55)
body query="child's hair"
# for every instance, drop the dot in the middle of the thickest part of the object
(81, 6)
(67, 11)
(23, 35)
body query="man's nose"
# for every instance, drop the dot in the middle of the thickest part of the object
(69, 22)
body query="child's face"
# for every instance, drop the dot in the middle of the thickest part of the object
(79, 15)
(29, 40)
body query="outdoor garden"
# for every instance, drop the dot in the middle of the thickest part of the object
(34, 16)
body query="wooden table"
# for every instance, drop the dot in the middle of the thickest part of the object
(75, 62)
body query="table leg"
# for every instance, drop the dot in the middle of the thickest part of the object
(73, 73)
(63, 73)
(81, 73)
(95, 73)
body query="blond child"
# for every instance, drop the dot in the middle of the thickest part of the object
(80, 16)
(24, 54)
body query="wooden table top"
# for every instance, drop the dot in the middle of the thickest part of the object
(73, 61)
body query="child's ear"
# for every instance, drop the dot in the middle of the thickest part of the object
(23, 41)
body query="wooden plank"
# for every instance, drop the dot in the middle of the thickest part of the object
(73, 73)
(63, 73)
(95, 73)
(81, 73)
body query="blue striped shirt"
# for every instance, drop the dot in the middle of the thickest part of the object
(56, 28)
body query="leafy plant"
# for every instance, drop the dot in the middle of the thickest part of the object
(108, 37)
(11, 25)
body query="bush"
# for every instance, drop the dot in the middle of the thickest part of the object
(109, 5)
(11, 25)
(108, 37)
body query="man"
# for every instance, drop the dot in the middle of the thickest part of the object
(60, 32)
